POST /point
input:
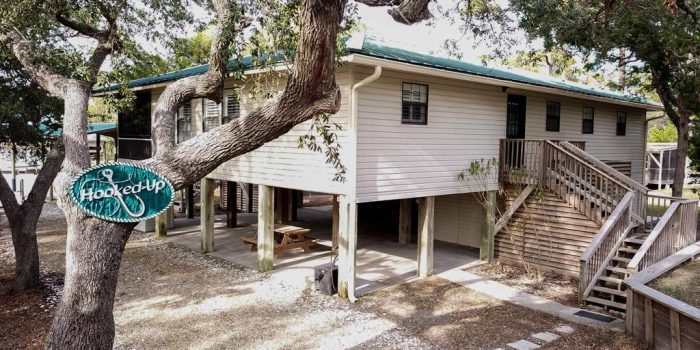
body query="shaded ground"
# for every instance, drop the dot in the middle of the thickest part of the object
(25, 317)
(683, 283)
(171, 297)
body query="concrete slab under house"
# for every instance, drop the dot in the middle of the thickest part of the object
(565, 186)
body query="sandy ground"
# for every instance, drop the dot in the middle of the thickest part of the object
(682, 283)
(173, 298)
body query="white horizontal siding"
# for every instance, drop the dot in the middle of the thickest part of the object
(465, 122)
(603, 144)
(458, 219)
(280, 162)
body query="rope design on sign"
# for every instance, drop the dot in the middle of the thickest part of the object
(107, 175)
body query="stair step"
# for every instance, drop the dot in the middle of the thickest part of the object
(610, 279)
(621, 259)
(616, 269)
(607, 302)
(609, 291)
(634, 241)
(628, 250)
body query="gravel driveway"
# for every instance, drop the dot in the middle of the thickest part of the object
(170, 297)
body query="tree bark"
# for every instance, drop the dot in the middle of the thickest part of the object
(23, 219)
(683, 130)
(84, 318)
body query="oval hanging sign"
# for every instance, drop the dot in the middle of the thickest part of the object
(121, 192)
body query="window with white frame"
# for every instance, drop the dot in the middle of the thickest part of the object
(232, 107)
(212, 117)
(414, 104)
(184, 122)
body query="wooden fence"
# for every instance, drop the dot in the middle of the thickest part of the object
(657, 319)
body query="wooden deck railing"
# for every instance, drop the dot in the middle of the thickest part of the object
(656, 207)
(676, 229)
(605, 244)
(656, 318)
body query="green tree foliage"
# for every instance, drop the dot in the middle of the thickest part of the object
(28, 115)
(654, 38)
(665, 132)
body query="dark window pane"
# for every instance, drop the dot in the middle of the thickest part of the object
(621, 123)
(553, 116)
(588, 116)
(136, 123)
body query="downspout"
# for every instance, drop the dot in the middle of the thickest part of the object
(352, 243)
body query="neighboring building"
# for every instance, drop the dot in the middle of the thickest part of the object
(411, 123)
(660, 165)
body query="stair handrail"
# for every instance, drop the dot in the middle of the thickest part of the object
(604, 245)
(606, 201)
(605, 167)
(676, 229)
(578, 159)
(642, 191)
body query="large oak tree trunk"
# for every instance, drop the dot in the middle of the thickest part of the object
(84, 318)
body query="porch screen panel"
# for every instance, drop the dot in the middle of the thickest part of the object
(211, 115)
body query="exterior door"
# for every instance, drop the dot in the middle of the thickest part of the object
(515, 117)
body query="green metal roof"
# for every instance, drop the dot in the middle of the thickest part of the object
(92, 128)
(374, 48)
(246, 62)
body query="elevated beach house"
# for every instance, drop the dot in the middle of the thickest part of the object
(571, 158)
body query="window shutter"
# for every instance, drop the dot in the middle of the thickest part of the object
(211, 115)
(184, 122)
(232, 108)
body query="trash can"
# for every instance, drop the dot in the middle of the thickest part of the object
(326, 279)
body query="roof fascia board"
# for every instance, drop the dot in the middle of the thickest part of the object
(414, 68)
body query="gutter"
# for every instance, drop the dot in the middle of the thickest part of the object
(352, 243)
(444, 73)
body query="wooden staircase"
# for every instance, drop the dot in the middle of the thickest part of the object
(589, 219)
(546, 232)
(608, 291)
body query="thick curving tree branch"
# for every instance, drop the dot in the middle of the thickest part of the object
(209, 85)
(403, 11)
(46, 78)
(311, 90)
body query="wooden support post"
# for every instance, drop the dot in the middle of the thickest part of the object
(648, 322)
(98, 149)
(189, 211)
(162, 225)
(426, 213)
(405, 221)
(488, 228)
(336, 222)
(289, 205)
(280, 210)
(295, 205)
(231, 209)
(347, 247)
(266, 227)
(675, 330)
(251, 192)
(207, 214)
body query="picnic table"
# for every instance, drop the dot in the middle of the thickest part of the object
(286, 237)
